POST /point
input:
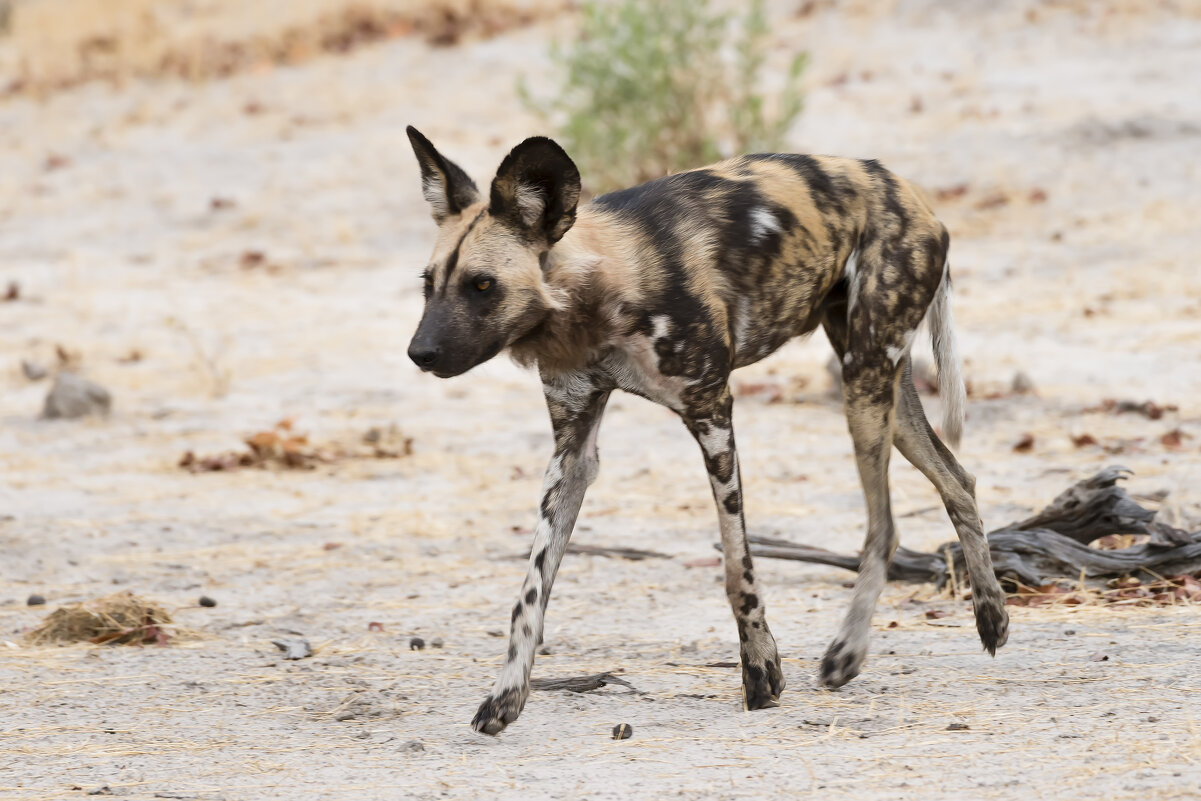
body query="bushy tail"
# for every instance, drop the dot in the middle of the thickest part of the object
(951, 389)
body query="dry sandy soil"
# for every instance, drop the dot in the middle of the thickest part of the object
(1074, 132)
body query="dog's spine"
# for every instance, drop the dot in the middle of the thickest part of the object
(951, 389)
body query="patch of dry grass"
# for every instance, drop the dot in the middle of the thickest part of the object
(120, 618)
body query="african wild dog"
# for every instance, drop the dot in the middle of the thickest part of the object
(662, 290)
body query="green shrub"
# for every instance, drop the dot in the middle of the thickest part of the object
(651, 87)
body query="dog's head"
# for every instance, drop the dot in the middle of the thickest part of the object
(484, 285)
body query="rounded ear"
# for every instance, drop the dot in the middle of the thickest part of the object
(536, 189)
(444, 185)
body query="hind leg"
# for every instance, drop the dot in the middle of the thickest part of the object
(921, 446)
(869, 379)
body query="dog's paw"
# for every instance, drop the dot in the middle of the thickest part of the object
(499, 710)
(992, 621)
(841, 663)
(762, 678)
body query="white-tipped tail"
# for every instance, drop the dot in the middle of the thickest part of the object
(951, 390)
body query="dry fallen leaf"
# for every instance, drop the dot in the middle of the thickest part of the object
(1174, 440)
(951, 192)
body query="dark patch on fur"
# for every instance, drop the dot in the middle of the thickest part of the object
(750, 602)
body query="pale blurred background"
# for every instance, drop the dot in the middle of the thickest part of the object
(210, 210)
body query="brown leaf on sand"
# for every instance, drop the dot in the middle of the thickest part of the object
(950, 192)
(1025, 444)
(993, 200)
(1174, 440)
(1045, 594)
(281, 447)
(936, 614)
(251, 259)
(1148, 408)
(1084, 440)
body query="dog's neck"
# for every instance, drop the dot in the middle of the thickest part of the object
(589, 277)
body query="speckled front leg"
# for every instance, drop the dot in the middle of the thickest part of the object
(576, 405)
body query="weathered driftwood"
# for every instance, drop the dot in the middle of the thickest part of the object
(1052, 544)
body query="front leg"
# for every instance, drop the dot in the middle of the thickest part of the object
(762, 678)
(576, 403)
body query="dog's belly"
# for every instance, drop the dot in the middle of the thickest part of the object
(762, 322)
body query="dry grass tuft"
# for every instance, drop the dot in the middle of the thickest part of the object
(120, 618)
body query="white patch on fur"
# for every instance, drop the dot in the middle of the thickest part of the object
(661, 325)
(634, 365)
(569, 390)
(433, 189)
(763, 222)
(715, 441)
(895, 353)
(531, 203)
(851, 271)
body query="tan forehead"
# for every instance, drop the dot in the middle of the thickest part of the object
(450, 232)
(474, 233)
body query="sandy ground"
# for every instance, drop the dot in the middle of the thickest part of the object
(1075, 134)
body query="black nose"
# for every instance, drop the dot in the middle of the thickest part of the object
(424, 356)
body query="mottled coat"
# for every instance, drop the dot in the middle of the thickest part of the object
(662, 290)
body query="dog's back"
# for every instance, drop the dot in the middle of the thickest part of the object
(751, 246)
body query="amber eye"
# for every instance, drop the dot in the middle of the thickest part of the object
(483, 284)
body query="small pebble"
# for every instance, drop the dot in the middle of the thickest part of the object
(416, 644)
(414, 746)
(1069, 632)
(294, 648)
(72, 396)
(958, 727)
(207, 601)
(436, 642)
(622, 731)
(1022, 384)
(32, 370)
(35, 600)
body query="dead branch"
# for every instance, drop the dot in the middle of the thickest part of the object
(1052, 544)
